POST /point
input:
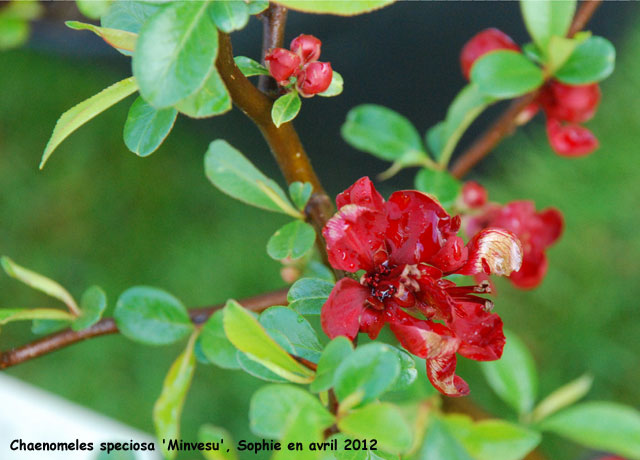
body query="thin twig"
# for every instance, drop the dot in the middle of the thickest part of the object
(273, 21)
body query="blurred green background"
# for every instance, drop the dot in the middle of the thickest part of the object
(100, 215)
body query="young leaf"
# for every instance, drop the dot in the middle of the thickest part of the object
(229, 15)
(247, 335)
(506, 74)
(285, 108)
(300, 193)
(308, 295)
(380, 421)
(146, 128)
(168, 408)
(210, 100)
(93, 9)
(292, 241)
(78, 115)
(439, 443)
(299, 333)
(151, 316)
(92, 305)
(335, 87)
(210, 433)
(591, 62)
(236, 176)
(335, 7)
(174, 52)
(546, 18)
(215, 345)
(513, 377)
(562, 397)
(119, 39)
(8, 315)
(249, 67)
(606, 426)
(334, 353)
(440, 184)
(40, 283)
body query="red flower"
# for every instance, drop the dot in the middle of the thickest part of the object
(282, 64)
(574, 104)
(474, 195)
(482, 43)
(307, 47)
(570, 140)
(406, 246)
(314, 78)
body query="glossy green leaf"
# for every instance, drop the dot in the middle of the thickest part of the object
(606, 426)
(168, 408)
(216, 434)
(506, 74)
(8, 315)
(151, 316)
(215, 345)
(248, 336)
(129, 15)
(92, 305)
(533, 52)
(229, 15)
(78, 115)
(236, 176)
(440, 444)
(338, 7)
(561, 48)
(380, 421)
(146, 128)
(174, 53)
(295, 328)
(39, 282)
(285, 108)
(93, 9)
(291, 241)
(119, 39)
(366, 374)
(257, 370)
(440, 184)
(336, 86)
(300, 193)
(210, 100)
(546, 18)
(308, 295)
(249, 67)
(334, 353)
(591, 62)
(513, 377)
(562, 397)
(257, 6)
(408, 372)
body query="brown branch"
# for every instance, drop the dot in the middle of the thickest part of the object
(505, 124)
(273, 21)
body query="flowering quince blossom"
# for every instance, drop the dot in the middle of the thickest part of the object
(406, 246)
(535, 230)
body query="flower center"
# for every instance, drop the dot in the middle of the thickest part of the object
(386, 282)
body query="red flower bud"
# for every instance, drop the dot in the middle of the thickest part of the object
(474, 195)
(307, 47)
(575, 104)
(570, 140)
(483, 42)
(282, 64)
(314, 78)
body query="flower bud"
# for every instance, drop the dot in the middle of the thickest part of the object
(474, 195)
(570, 140)
(282, 64)
(307, 47)
(483, 42)
(314, 78)
(575, 104)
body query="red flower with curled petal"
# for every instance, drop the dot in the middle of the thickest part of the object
(307, 47)
(406, 247)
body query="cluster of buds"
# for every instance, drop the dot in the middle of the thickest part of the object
(565, 106)
(299, 66)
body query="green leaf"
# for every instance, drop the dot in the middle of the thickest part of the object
(381, 421)
(40, 283)
(249, 67)
(561, 48)
(93, 9)
(436, 138)
(408, 372)
(439, 444)
(316, 269)
(606, 426)
(236, 176)
(92, 305)
(14, 32)
(334, 353)
(295, 328)
(48, 326)
(146, 128)
(533, 52)
(591, 62)
(229, 15)
(210, 100)
(168, 408)
(308, 295)
(338, 7)
(8, 315)
(257, 6)
(366, 374)
(513, 377)
(505, 74)
(247, 335)
(257, 370)
(151, 316)
(440, 184)
(128, 15)
(381, 132)
(285, 108)
(78, 115)
(300, 193)
(562, 397)
(174, 53)
(291, 241)
(210, 433)
(119, 39)
(335, 87)
(546, 18)
(215, 345)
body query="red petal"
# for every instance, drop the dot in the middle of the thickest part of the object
(480, 331)
(423, 338)
(372, 321)
(530, 275)
(442, 375)
(474, 195)
(341, 313)
(362, 193)
(493, 251)
(553, 224)
(354, 235)
(570, 140)
(575, 104)
(452, 256)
